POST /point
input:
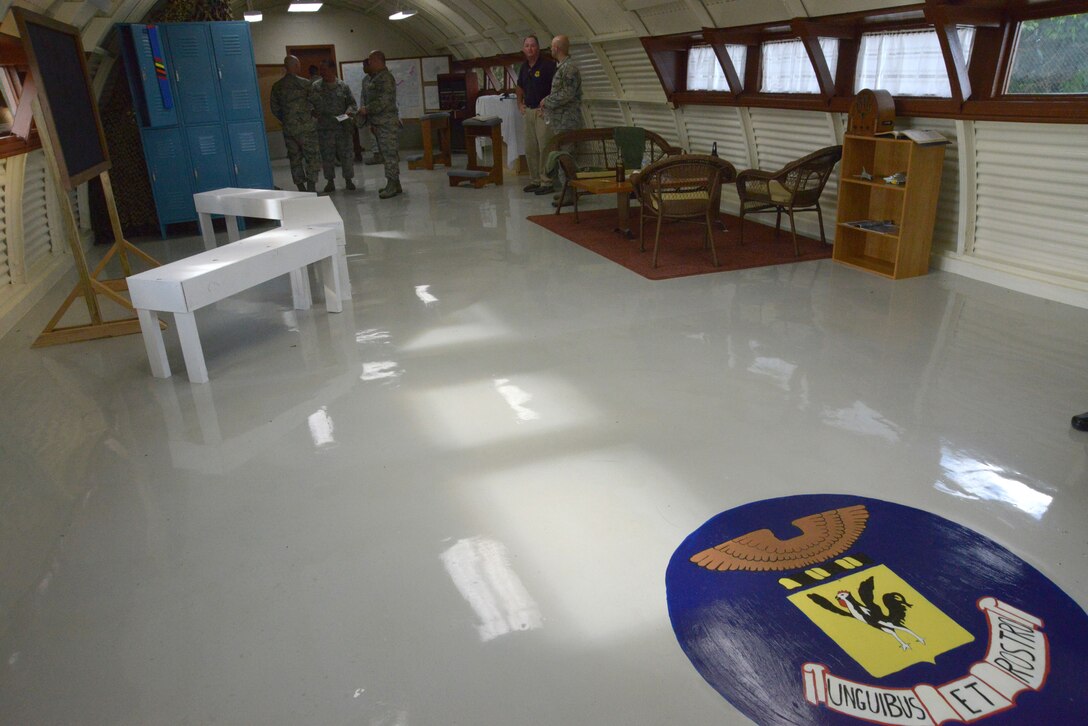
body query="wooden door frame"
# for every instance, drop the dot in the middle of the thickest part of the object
(314, 50)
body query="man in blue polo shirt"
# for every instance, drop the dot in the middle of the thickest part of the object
(534, 83)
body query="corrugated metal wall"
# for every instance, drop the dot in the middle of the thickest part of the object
(37, 240)
(1030, 198)
(604, 114)
(657, 117)
(946, 228)
(638, 80)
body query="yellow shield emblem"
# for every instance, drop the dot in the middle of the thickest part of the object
(880, 621)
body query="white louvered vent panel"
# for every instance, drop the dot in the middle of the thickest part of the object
(632, 66)
(73, 199)
(94, 62)
(655, 117)
(706, 125)
(668, 18)
(595, 83)
(1030, 206)
(606, 18)
(36, 238)
(946, 226)
(5, 271)
(605, 114)
(783, 136)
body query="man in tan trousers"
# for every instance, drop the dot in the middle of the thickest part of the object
(534, 83)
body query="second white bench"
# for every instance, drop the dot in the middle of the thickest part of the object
(291, 209)
(187, 285)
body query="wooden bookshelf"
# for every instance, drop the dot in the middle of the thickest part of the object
(911, 206)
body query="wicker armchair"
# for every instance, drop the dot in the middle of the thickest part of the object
(686, 187)
(796, 187)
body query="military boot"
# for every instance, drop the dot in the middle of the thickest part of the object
(301, 187)
(349, 185)
(330, 187)
(311, 186)
(392, 189)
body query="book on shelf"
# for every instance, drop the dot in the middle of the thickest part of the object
(883, 226)
(922, 137)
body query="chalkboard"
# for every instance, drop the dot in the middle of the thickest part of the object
(58, 66)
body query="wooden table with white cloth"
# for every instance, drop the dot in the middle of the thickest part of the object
(513, 125)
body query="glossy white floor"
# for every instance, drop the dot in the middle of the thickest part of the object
(454, 503)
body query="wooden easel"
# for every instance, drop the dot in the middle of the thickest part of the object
(90, 286)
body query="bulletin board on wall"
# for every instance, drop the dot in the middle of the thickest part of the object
(267, 75)
(417, 82)
(409, 75)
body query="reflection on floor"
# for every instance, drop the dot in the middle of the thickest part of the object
(455, 502)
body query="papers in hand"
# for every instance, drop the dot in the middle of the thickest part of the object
(343, 117)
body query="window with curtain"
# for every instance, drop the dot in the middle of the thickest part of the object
(1051, 56)
(907, 63)
(787, 68)
(704, 71)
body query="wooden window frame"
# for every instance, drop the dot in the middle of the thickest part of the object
(13, 61)
(977, 88)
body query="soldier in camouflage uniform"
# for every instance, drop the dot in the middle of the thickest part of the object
(562, 108)
(364, 93)
(291, 105)
(381, 111)
(331, 97)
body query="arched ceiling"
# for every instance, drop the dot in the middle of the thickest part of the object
(475, 28)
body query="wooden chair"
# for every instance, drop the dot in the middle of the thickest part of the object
(686, 187)
(796, 187)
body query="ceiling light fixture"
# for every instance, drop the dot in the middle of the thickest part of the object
(402, 14)
(303, 7)
(253, 16)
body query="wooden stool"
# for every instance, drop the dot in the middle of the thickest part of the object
(474, 173)
(429, 123)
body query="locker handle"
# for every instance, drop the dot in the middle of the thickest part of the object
(236, 169)
(177, 77)
(196, 174)
(219, 70)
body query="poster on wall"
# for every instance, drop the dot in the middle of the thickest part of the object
(409, 78)
(433, 65)
(352, 74)
(430, 98)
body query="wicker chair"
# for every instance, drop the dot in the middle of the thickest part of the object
(796, 187)
(686, 187)
(593, 153)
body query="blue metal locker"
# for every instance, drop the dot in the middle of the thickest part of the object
(146, 94)
(214, 136)
(249, 149)
(168, 166)
(237, 73)
(209, 158)
(195, 77)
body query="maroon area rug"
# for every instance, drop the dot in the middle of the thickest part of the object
(682, 252)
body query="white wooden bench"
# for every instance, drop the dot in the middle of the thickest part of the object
(187, 285)
(309, 209)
